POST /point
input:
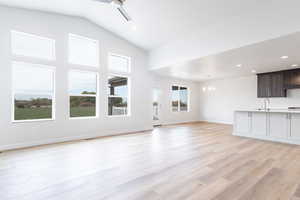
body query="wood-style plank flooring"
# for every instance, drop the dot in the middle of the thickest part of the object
(199, 161)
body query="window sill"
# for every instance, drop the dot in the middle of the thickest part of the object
(32, 121)
(118, 116)
(78, 118)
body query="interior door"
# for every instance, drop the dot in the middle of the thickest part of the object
(156, 104)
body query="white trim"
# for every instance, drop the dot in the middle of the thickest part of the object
(31, 121)
(89, 40)
(128, 58)
(53, 95)
(88, 117)
(73, 138)
(128, 95)
(53, 45)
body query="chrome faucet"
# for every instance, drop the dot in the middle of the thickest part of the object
(266, 103)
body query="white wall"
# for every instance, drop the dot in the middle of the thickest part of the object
(167, 116)
(14, 135)
(57, 27)
(230, 94)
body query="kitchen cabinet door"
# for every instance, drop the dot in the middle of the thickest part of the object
(292, 79)
(277, 85)
(263, 85)
(242, 123)
(259, 123)
(279, 125)
(295, 126)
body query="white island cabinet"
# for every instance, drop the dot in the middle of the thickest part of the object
(273, 125)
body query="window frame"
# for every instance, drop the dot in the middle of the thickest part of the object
(128, 95)
(84, 95)
(179, 106)
(88, 39)
(128, 58)
(53, 95)
(53, 42)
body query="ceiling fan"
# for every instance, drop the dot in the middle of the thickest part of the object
(119, 5)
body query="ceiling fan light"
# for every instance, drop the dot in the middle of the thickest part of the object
(116, 3)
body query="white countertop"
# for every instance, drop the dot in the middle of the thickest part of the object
(272, 110)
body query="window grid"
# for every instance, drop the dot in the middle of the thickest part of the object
(177, 102)
(121, 72)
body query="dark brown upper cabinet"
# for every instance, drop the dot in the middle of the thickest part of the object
(292, 79)
(271, 85)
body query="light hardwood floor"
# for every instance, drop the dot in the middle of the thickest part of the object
(199, 161)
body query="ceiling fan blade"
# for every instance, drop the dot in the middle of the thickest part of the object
(104, 1)
(124, 13)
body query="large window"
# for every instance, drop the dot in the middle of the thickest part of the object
(117, 95)
(83, 51)
(180, 98)
(24, 44)
(83, 93)
(33, 91)
(119, 63)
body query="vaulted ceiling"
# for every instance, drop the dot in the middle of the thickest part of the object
(177, 31)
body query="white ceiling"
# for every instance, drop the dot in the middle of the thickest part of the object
(261, 57)
(177, 31)
(158, 22)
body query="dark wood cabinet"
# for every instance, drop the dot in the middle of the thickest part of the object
(292, 79)
(277, 85)
(271, 85)
(263, 85)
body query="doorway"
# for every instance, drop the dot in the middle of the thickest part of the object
(156, 104)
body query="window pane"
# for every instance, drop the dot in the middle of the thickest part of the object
(117, 86)
(30, 107)
(33, 46)
(32, 78)
(117, 106)
(119, 63)
(118, 95)
(175, 98)
(82, 106)
(33, 87)
(183, 99)
(83, 51)
(82, 83)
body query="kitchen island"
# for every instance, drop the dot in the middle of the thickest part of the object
(279, 125)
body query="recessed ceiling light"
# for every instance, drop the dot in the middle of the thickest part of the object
(253, 71)
(295, 65)
(284, 57)
(239, 65)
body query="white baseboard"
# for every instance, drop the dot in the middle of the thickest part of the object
(181, 122)
(66, 139)
(217, 122)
